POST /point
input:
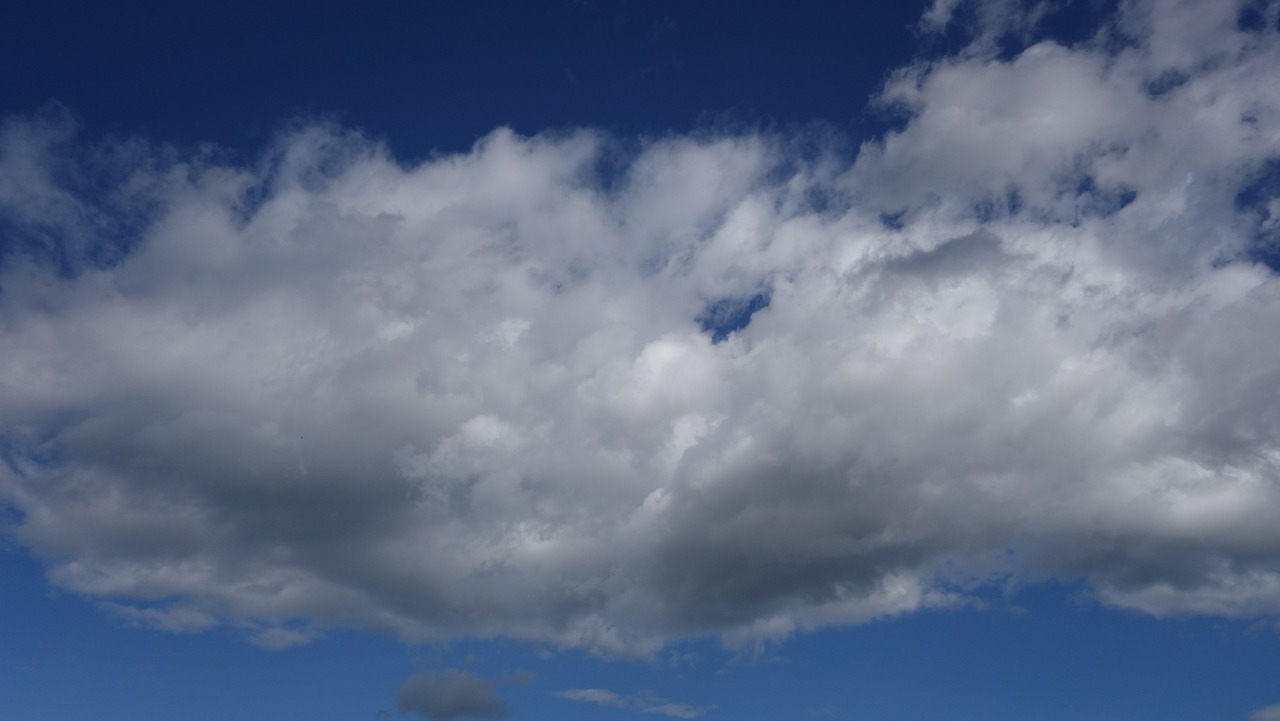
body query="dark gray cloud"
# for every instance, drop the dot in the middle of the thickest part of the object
(450, 695)
(477, 396)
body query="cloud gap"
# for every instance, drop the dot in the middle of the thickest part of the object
(722, 318)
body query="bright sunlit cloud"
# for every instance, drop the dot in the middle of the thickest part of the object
(607, 395)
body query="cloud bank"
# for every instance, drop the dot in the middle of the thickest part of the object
(609, 395)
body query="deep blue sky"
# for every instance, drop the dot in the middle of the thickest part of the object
(439, 75)
(434, 77)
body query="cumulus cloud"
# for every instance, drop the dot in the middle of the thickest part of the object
(644, 702)
(1270, 713)
(450, 695)
(496, 393)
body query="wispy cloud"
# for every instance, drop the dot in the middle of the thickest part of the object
(178, 620)
(644, 702)
(519, 678)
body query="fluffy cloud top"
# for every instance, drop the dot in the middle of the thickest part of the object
(494, 393)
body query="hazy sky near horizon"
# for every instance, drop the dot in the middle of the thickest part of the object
(585, 360)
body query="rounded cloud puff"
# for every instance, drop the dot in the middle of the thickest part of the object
(724, 385)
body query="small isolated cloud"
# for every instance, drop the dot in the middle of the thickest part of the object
(938, 15)
(278, 637)
(644, 701)
(1270, 713)
(450, 695)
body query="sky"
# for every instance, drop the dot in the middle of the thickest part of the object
(638, 360)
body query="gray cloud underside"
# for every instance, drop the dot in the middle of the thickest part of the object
(1024, 335)
(450, 695)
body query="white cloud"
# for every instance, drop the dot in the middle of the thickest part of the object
(1270, 713)
(1023, 334)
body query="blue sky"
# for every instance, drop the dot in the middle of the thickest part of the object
(891, 361)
